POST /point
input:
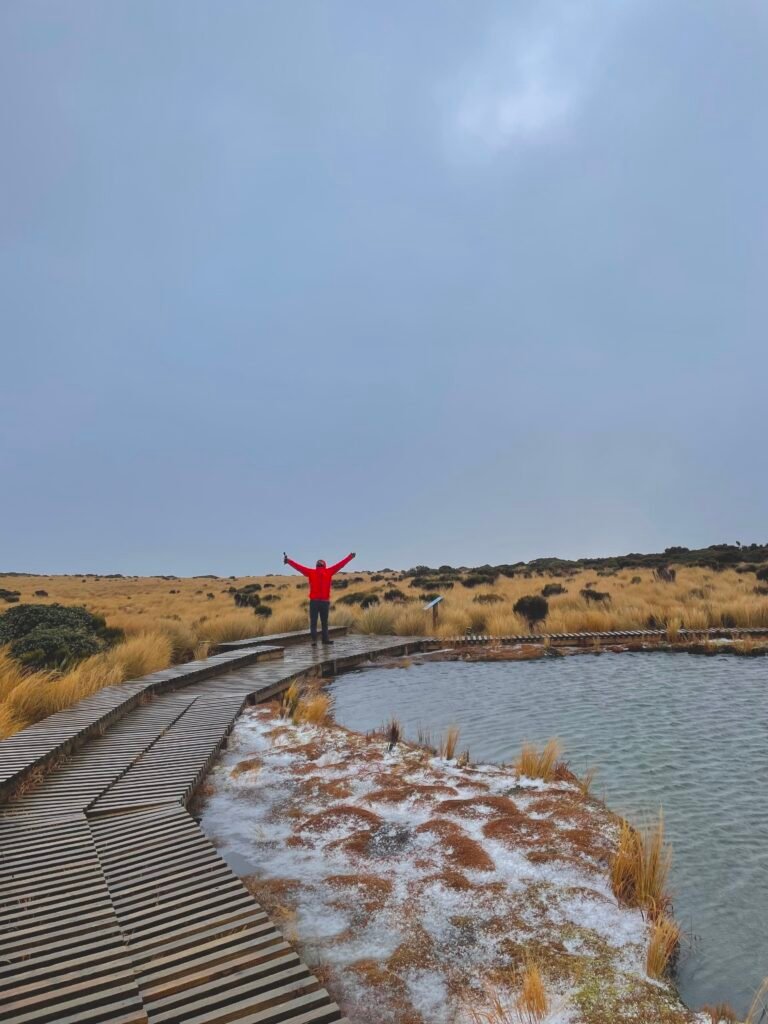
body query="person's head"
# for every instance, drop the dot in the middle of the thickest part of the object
(320, 563)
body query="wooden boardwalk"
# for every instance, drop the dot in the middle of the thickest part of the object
(624, 636)
(114, 907)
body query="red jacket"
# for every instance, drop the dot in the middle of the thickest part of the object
(320, 579)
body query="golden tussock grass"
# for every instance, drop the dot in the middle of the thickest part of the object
(290, 699)
(532, 1002)
(640, 868)
(663, 943)
(539, 764)
(449, 742)
(313, 708)
(530, 1005)
(10, 673)
(40, 694)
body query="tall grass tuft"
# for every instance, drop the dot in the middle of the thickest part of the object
(665, 938)
(585, 781)
(539, 764)
(640, 869)
(235, 626)
(10, 673)
(532, 1002)
(376, 620)
(449, 742)
(290, 701)
(313, 708)
(393, 733)
(424, 739)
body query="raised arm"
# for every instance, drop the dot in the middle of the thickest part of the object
(341, 564)
(296, 565)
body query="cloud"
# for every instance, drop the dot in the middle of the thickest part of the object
(529, 81)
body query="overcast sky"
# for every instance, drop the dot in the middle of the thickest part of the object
(437, 282)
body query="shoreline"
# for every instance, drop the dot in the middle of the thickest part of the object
(340, 813)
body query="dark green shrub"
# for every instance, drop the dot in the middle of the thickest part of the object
(394, 595)
(636, 579)
(533, 608)
(55, 647)
(248, 596)
(480, 577)
(762, 574)
(340, 584)
(264, 610)
(365, 598)
(763, 591)
(41, 593)
(487, 599)
(10, 596)
(551, 589)
(17, 622)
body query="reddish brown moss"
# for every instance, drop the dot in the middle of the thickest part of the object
(470, 805)
(460, 850)
(340, 815)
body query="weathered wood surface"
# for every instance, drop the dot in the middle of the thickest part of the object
(114, 906)
(605, 636)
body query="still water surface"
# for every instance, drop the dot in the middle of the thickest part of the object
(686, 733)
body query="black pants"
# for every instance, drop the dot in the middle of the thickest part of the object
(320, 608)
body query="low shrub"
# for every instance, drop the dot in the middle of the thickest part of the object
(478, 579)
(17, 622)
(263, 610)
(10, 596)
(41, 593)
(394, 595)
(487, 599)
(533, 608)
(248, 596)
(552, 589)
(55, 647)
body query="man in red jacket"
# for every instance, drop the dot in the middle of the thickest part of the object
(319, 591)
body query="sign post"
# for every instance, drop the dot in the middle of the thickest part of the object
(434, 606)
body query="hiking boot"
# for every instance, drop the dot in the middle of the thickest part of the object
(326, 640)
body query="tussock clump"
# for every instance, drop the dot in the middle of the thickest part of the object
(539, 764)
(532, 1002)
(662, 947)
(313, 708)
(449, 742)
(640, 869)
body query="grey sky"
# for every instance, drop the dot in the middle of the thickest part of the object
(438, 282)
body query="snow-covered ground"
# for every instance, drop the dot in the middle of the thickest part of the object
(418, 889)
